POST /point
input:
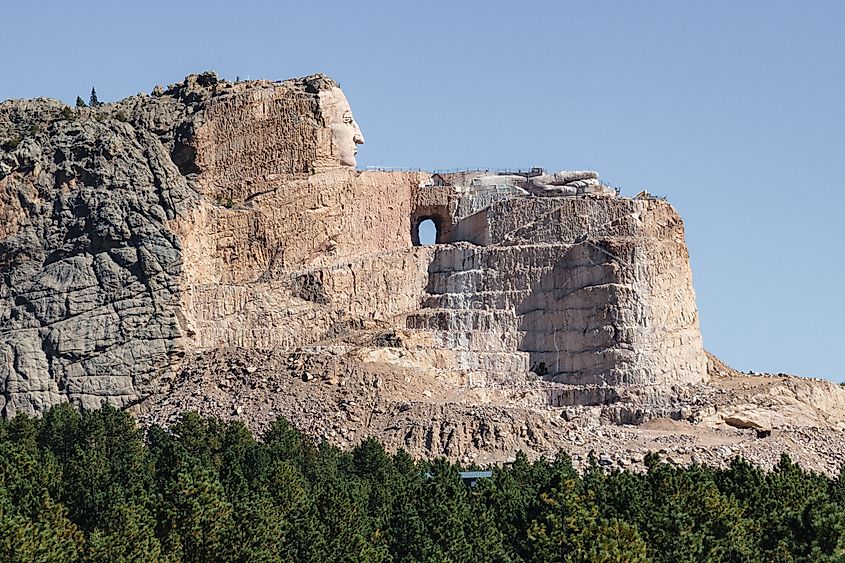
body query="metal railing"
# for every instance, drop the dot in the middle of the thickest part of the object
(533, 171)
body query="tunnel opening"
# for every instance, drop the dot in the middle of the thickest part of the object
(430, 224)
(427, 232)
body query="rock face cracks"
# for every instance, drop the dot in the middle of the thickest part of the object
(91, 270)
(214, 215)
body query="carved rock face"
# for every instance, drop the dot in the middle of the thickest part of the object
(230, 216)
(345, 132)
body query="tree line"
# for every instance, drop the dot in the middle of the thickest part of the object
(92, 486)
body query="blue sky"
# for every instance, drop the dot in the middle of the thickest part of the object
(733, 110)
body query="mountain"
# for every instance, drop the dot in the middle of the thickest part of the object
(213, 247)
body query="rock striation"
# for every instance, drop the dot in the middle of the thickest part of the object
(143, 241)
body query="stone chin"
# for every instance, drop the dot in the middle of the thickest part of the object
(337, 115)
(344, 143)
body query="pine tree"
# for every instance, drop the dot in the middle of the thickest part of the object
(443, 505)
(197, 515)
(80, 103)
(94, 102)
(569, 528)
(128, 536)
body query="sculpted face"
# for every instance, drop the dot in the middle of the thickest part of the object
(345, 132)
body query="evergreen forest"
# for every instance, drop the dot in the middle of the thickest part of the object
(93, 486)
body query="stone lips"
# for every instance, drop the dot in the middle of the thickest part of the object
(222, 218)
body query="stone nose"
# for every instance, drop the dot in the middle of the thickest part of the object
(358, 137)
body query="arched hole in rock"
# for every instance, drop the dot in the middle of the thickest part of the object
(427, 232)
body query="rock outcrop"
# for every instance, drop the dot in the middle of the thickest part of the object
(91, 268)
(143, 241)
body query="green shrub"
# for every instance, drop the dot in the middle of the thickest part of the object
(11, 144)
